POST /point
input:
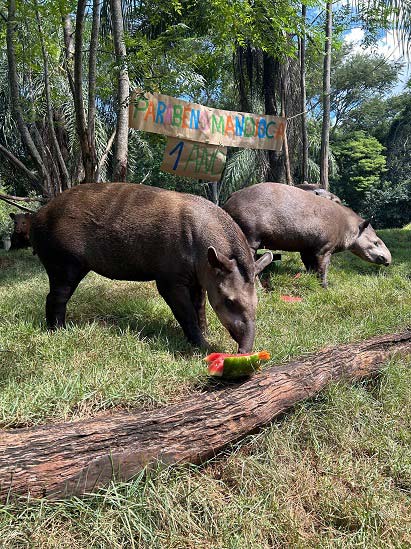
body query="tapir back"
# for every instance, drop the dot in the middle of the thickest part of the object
(136, 232)
(286, 218)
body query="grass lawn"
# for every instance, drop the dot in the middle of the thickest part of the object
(335, 472)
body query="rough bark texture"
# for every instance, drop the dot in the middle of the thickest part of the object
(15, 102)
(121, 146)
(325, 133)
(304, 156)
(87, 148)
(74, 458)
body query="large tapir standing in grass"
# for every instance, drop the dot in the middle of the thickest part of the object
(125, 231)
(282, 217)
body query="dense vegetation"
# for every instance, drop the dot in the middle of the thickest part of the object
(64, 65)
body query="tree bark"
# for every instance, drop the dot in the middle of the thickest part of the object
(15, 101)
(121, 144)
(92, 80)
(62, 172)
(304, 156)
(87, 149)
(325, 133)
(73, 458)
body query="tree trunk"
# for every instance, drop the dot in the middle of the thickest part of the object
(121, 145)
(92, 80)
(27, 140)
(304, 156)
(77, 457)
(284, 93)
(62, 172)
(87, 149)
(271, 70)
(325, 133)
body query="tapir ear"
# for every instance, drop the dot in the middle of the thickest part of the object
(363, 225)
(263, 262)
(219, 261)
(12, 215)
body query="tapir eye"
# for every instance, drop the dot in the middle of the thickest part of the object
(376, 243)
(229, 303)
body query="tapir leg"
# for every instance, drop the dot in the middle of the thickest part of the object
(63, 282)
(179, 299)
(198, 296)
(310, 261)
(323, 264)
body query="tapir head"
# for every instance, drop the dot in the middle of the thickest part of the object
(232, 295)
(369, 247)
(21, 223)
(20, 237)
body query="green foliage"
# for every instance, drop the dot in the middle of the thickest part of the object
(388, 205)
(361, 164)
(6, 223)
(357, 80)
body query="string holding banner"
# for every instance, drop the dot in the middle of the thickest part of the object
(177, 118)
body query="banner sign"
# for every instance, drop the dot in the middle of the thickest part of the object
(193, 159)
(177, 118)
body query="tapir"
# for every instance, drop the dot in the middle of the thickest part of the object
(316, 189)
(282, 217)
(20, 237)
(126, 231)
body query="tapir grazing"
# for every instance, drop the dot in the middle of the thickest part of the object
(316, 189)
(20, 237)
(126, 231)
(282, 217)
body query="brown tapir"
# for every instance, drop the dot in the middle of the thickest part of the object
(316, 189)
(126, 231)
(20, 237)
(282, 217)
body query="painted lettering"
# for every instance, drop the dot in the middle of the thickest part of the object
(161, 109)
(204, 121)
(194, 118)
(177, 115)
(179, 147)
(279, 134)
(229, 126)
(150, 111)
(186, 111)
(249, 127)
(239, 126)
(262, 128)
(270, 135)
(217, 126)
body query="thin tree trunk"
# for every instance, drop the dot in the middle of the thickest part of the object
(64, 459)
(19, 165)
(304, 160)
(15, 100)
(325, 133)
(284, 92)
(68, 49)
(92, 78)
(87, 149)
(64, 177)
(121, 143)
(105, 155)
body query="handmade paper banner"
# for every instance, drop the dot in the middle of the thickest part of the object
(177, 118)
(193, 159)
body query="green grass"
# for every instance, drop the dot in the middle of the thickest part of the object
(335, 472)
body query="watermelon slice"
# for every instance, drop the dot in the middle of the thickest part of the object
(235, 365)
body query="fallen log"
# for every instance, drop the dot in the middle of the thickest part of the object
(65, 459)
